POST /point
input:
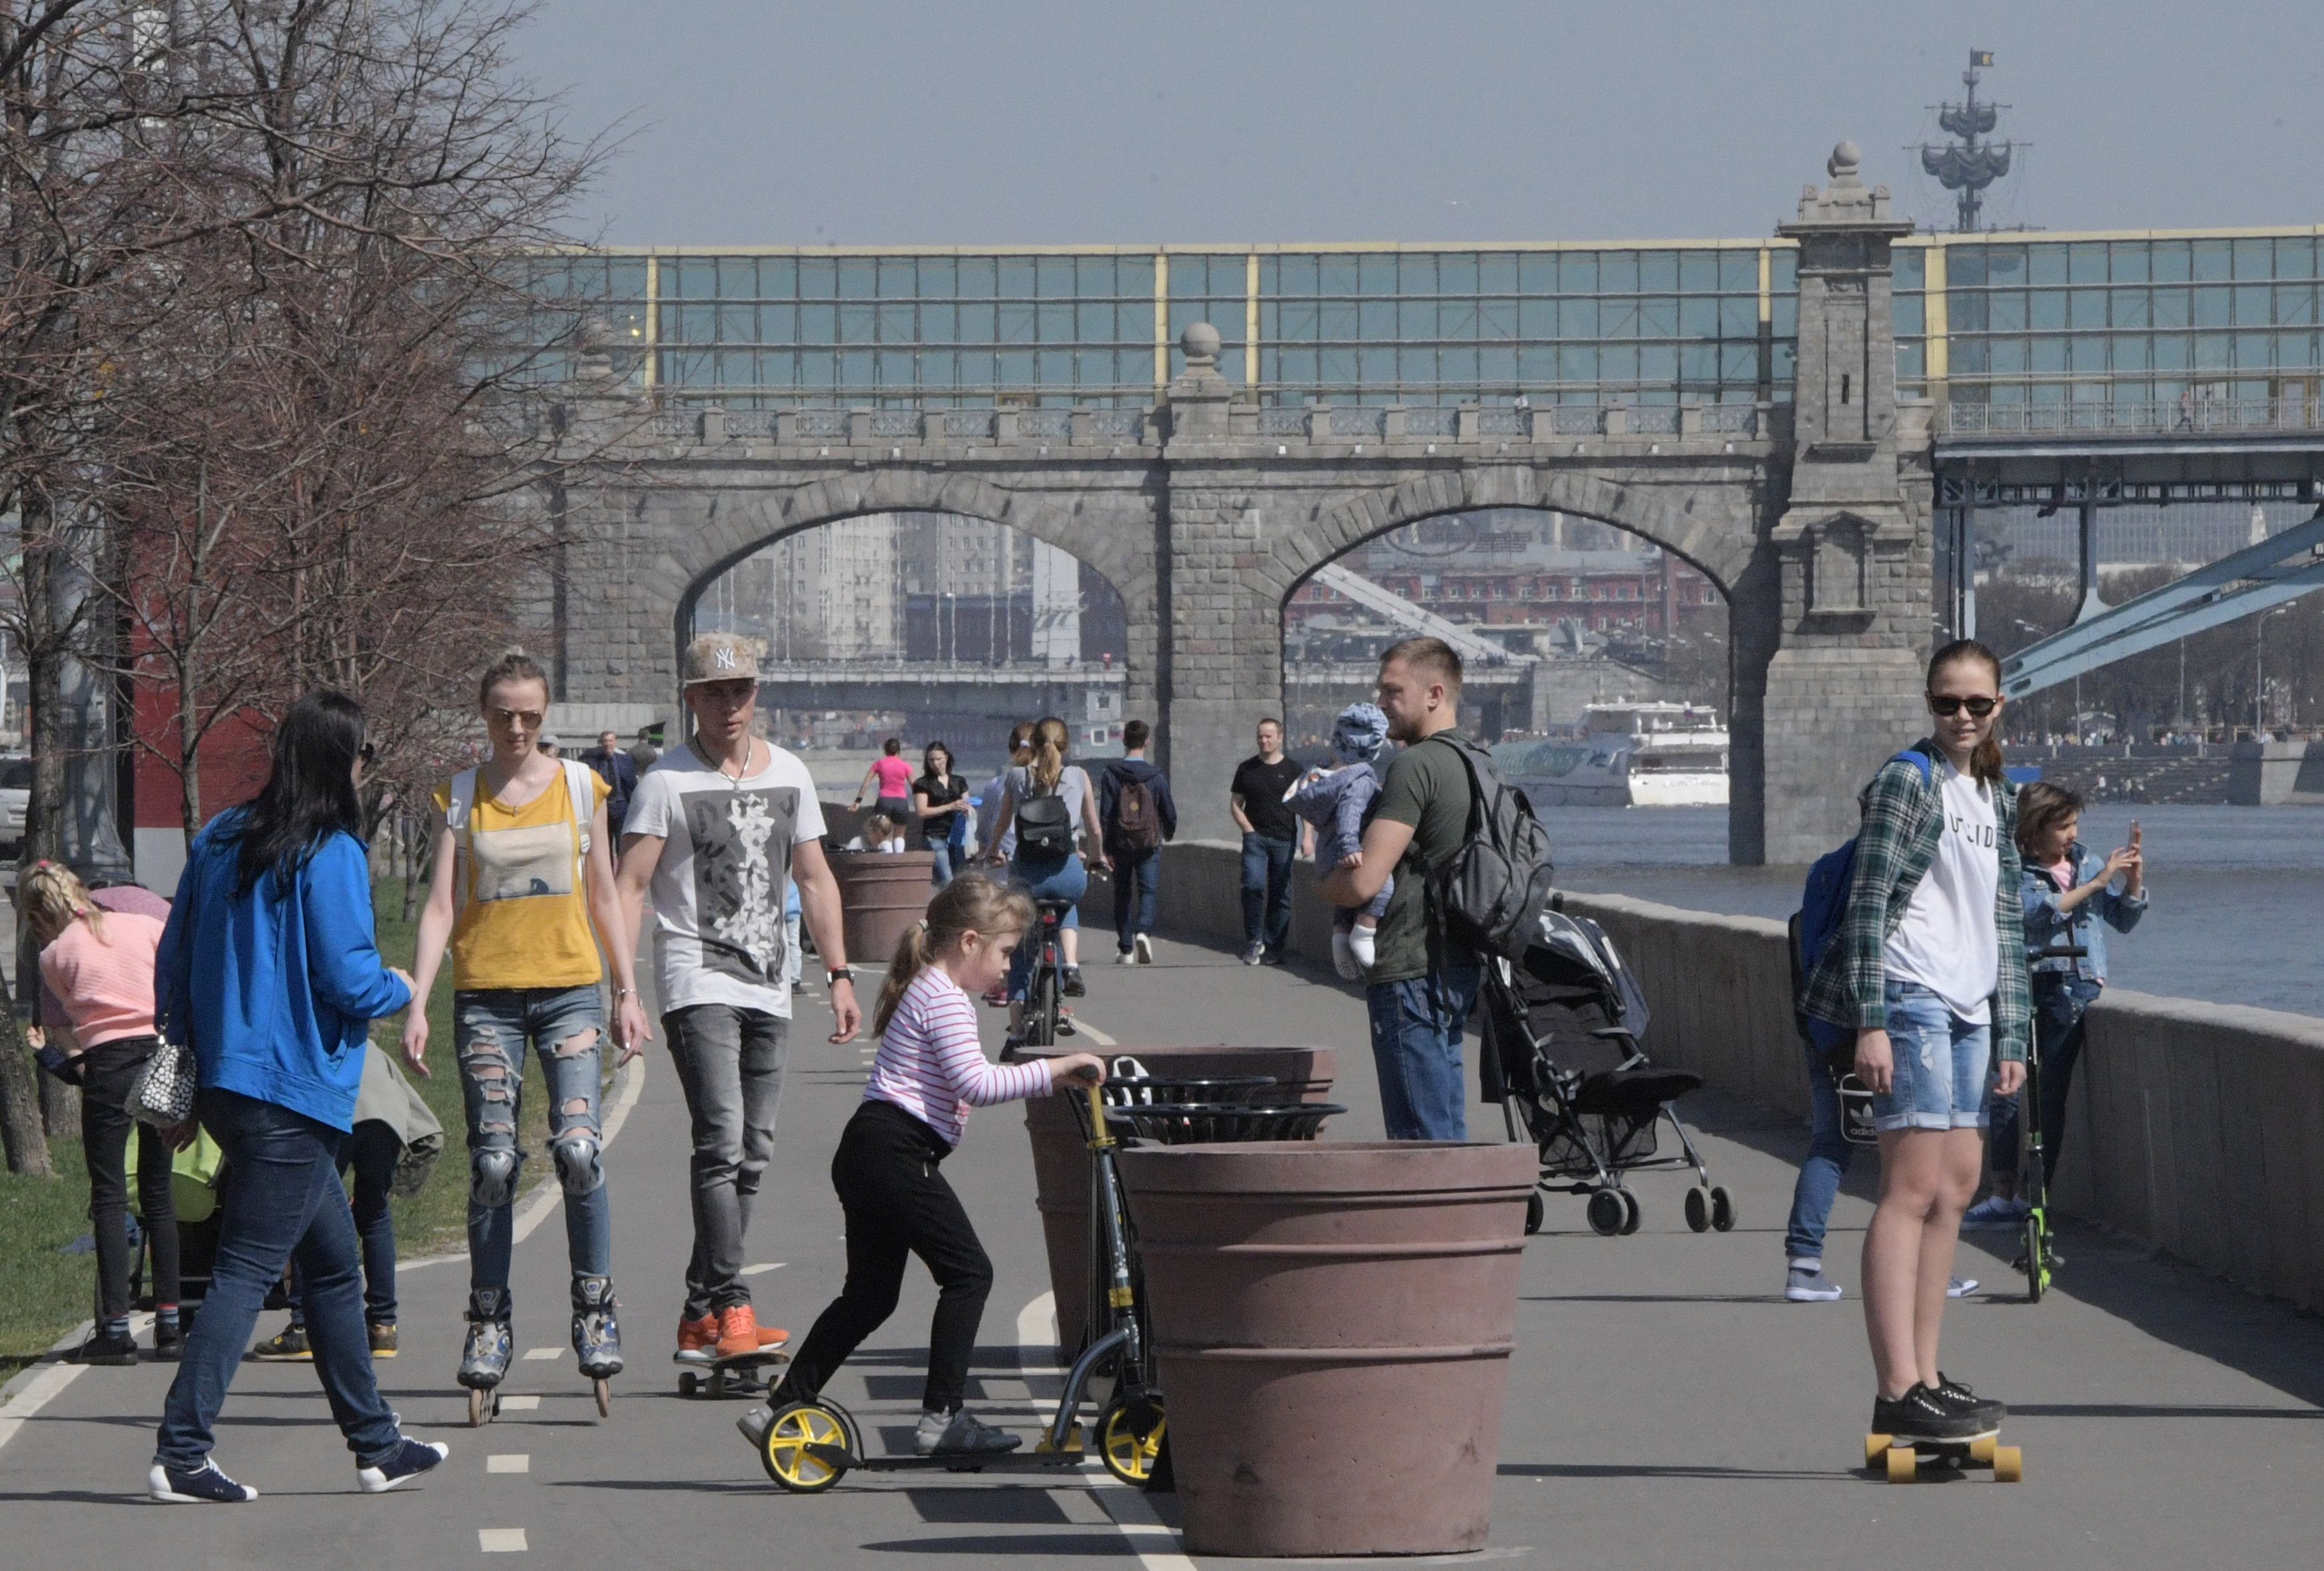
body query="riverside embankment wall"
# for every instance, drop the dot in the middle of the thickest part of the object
(2195, 1127)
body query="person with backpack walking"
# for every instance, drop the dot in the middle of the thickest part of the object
(2070, 900)
(1927, 970)
(1272, 838)
(1422, 984)
(523, 842)
(269, 969)
(1049, 812)
(1334, 802)
(1135, 805)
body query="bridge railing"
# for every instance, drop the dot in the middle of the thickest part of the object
(712, 424)
(2193, 416)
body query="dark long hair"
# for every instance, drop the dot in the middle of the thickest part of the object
(309, 792)
(1984, 763)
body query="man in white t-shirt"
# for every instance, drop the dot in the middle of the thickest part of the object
(716, 828)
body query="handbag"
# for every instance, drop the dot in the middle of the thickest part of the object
(164, 1092)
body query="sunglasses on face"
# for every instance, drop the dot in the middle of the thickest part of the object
(525, 720)
(1979, 707)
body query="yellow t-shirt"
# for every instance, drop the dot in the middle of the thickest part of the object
(524, 917)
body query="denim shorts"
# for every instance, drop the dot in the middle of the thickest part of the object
(1941, 1064)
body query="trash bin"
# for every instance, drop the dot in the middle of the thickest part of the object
(1061, 1160)
(881, 893)
(1332, 1324)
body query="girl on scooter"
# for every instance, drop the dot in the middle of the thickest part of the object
(929, 1071)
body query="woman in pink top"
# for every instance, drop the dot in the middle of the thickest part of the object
(99, 965)
(893, 778)
(929, 1071)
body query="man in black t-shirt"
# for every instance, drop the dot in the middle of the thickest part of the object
(1272, 835)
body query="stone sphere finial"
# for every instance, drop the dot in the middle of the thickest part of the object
(1201, 342)
(1845, 160)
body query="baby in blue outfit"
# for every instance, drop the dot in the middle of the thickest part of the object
(1335, 800)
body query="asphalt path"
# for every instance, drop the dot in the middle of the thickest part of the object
(1666, 1407)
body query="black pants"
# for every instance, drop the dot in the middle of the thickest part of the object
(111, 1068)
(371, 1152)
(897, 1204)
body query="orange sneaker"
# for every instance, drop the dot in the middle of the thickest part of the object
(738, 1331)
(772, 1336)
(697, 1340)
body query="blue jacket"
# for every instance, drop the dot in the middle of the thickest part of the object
(1336, 801)
(276, 991)
(2047, 927)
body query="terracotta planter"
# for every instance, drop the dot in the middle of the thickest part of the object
(1061, 1162)
(881, 895)
(1333, 1324)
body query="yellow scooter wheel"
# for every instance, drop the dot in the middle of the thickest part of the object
(790, 1451)
(1129, 1437)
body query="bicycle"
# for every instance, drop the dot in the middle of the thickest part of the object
(1045, 1017)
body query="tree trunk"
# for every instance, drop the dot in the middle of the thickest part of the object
(19, 1100)
(60, 1108)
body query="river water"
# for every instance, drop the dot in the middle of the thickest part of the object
(2238, 913)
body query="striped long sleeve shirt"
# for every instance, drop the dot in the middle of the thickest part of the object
(930, 1065)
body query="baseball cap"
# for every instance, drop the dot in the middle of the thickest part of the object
(719, 657)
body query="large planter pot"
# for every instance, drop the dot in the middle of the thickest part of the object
(1333, 1324)
(882, 895)
(1061, 1170)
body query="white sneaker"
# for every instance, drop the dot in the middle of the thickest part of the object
(1960, 1287)
(1144, 950)
(1124, 957)
(1344, 959)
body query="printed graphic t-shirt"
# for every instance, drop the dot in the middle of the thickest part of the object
(1948, 942)
(718, 888)
(524, 916)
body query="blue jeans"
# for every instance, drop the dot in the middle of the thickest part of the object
(1266, 889)
(490, 1030)
(1829, 1154)
(282, 1203)
(1136, 880)
(1053, 878)
(1942, 1064)
(1417, 1050)
(2057, 1033)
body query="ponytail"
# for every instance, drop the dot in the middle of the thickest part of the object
(1985, 762)
(1048, 765)
(965, 905)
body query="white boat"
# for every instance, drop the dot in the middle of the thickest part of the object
(1623, 756)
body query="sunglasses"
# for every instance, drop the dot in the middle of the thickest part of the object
(1947, 707)
(365, 754)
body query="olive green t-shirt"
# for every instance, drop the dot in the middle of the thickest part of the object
(1427, 788)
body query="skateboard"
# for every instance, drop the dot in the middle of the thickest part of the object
(1905, 1459)
(741, 1375)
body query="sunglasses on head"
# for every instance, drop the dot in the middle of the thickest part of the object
(1979, 707)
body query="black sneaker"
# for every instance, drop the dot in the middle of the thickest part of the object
(116, 1348)
(408, 1460)
(1075, 987)
(203, 1483)
(1957, 1396)
(169, 1340)
(1920, 1415)
(1275, 955)
(965, 1436)
(289, 1346)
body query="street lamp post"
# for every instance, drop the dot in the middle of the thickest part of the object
(2259, 671)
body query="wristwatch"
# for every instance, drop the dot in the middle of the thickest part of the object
(844, 974)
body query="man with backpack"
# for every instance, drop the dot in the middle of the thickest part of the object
(1135, 806)
(1424, 982)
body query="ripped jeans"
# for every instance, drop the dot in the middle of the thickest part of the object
(490, 1029)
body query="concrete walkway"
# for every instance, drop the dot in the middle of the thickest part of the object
(1666, 1407)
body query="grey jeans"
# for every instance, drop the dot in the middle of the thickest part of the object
(730, 1065)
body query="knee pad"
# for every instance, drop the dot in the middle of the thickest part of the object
(579, 1168)
(491, 1176)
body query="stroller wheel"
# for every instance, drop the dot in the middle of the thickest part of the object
(1698, 1209)
(1722, 1209)
(1607, 1213)
(1631, 1213)
(1535, 1211)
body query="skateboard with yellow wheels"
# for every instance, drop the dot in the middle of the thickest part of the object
(1907, 1460)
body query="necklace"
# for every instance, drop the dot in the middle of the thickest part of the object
(718, 766)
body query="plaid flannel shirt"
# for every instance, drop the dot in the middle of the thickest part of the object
(1903, 817)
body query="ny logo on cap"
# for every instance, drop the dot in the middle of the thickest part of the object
(724, 658)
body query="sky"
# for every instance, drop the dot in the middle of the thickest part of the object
(980, 122)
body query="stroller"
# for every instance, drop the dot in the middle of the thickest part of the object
(1562, 1057)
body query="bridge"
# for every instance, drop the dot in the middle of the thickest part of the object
(1809, 420)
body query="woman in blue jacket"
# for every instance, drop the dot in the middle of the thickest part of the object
(269, 971)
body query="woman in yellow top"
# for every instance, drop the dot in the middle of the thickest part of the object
(537, 903)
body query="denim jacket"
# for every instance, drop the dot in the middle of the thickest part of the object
(2048, 927)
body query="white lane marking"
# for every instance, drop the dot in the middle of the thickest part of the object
(1084, 1028)
(542, 1354)
(36, 1387)
(508, 1462)
(524, 1404)
(1150, 1538)
(762, 1269)
(501, 1540)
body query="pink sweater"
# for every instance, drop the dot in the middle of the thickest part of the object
(105, 985)
(929, 1063)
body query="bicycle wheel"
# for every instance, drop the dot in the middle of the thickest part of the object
(1041, 1009)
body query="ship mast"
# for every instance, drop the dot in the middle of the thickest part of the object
(1968, 166)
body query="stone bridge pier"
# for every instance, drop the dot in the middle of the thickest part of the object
(1206, 512)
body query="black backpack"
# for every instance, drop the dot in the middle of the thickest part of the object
(1045, 826)
(1490, 896)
